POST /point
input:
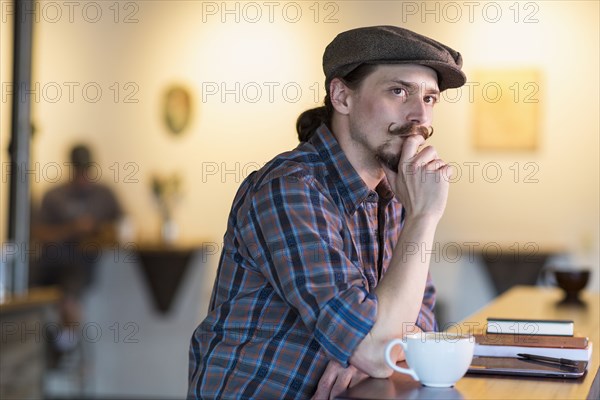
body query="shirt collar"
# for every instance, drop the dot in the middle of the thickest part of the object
(385, 192)
(350, 186)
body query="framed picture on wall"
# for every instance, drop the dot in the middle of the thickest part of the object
(177, 109)
(506, 109)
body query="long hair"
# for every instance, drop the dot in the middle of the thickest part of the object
(308, 122)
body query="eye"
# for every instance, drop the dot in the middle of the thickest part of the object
(431, 99)
(398, 91)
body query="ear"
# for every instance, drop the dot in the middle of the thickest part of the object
(339, 94)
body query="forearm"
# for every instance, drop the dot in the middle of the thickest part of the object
(400, 292)
(52, 233)
(400, 295)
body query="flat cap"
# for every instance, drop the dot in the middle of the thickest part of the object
(391, 45)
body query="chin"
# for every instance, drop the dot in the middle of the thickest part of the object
(388, 154)
(389, 160)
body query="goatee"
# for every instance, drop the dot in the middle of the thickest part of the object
(391, 160)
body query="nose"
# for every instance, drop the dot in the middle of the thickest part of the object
(418, 112)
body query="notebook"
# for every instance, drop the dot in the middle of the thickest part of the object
(523, 367)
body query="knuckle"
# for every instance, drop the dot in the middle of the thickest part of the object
(328, 380)
(415, 140)
(346, 375)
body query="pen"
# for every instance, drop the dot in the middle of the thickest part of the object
(563, 361)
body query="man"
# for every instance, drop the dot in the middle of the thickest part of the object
(74, 219)
(319, 269)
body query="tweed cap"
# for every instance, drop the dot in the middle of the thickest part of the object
(391, 45)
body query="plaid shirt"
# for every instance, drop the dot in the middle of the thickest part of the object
(306, 244)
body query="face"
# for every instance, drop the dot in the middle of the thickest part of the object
(392, 102)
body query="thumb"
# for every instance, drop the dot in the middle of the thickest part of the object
(390, 175)
(410, 147)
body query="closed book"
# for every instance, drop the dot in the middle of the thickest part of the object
(512, 351)
(530, 326)
(563, 342)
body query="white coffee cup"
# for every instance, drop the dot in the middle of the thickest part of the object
(436, 359)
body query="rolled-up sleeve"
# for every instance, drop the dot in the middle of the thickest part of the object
(426, 318)
(294, 232)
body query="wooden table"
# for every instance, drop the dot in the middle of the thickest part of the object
(35, 297)
(518, 302)
(23, 323)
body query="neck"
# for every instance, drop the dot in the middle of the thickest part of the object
(366, 165)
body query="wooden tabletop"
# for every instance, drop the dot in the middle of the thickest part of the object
(35, 297)
(525, 302)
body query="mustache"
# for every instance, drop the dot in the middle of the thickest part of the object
(411, 129)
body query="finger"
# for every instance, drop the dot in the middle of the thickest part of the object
(341, 383)
(435, 165)
(410, 146)
(425, 156)
(324, 388)
(325, 383)
(447, 172)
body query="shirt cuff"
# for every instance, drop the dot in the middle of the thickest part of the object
(344, 322)
(426, 321)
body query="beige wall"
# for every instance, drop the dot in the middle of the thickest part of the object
(184, 42)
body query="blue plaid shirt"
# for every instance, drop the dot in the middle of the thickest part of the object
(306, 243)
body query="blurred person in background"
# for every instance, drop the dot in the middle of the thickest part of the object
(75, 221)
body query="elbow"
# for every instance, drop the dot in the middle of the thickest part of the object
(380, 371)
(371, 363)
(369, 357)
(375, 369)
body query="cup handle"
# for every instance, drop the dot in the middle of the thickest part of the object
(392, 365)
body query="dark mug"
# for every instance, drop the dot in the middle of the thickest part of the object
(572, 282)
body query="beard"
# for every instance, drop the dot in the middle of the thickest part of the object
(391, 159)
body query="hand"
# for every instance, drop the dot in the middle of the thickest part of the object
(422, 181)
(336, 379)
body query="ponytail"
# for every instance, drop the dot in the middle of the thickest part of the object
(308, 122)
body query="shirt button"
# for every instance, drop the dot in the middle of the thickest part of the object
(338, 277)
(237, 258)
